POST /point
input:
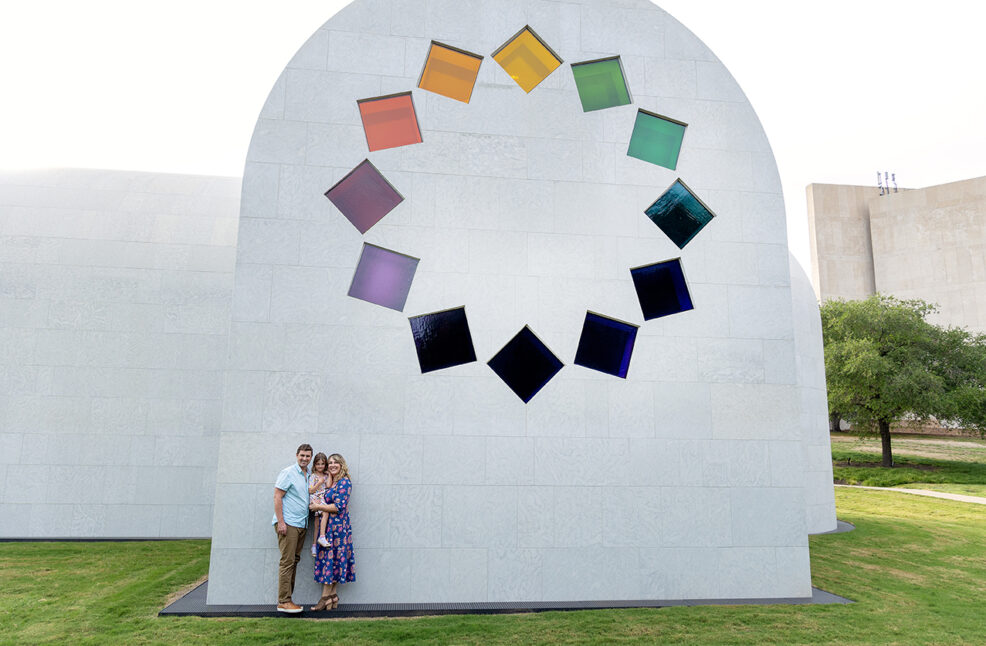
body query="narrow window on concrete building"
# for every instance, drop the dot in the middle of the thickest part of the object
(601, 84)
(450, 72)
(656, 139)
(389, 121)
(679, 213)
(606, 345)
(383, 277)
(661, 289)
(442, 339)
(364, 196)
(525, 364)
(527, 59)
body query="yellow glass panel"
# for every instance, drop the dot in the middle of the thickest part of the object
(527, 59)
(450, 72)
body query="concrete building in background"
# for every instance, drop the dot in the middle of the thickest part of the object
(685, 480)
(115, 291)
(927, 243)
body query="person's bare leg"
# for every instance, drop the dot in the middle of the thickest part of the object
(333, 593)
(325, 602)
(322, 522)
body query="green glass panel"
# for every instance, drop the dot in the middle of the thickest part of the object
(656, 139)
(601, 84)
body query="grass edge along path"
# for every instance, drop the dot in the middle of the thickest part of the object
(914, 566)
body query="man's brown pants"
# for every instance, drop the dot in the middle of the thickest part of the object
(290, 546)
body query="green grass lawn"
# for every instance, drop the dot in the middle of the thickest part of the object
(920, 462)
(915, 566)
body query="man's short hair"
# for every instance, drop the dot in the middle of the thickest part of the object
(304, 447)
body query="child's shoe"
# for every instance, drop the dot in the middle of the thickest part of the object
(314, 550)
(323, 541)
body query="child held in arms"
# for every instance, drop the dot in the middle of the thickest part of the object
(316, 495)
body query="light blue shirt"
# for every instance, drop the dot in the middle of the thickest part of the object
(294, 483)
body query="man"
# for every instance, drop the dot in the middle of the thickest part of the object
(291, 522)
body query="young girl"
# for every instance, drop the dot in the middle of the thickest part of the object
(316, 493)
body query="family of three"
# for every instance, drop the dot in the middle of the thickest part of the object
(323, 489)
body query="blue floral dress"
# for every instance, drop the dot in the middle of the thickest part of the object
(335, 564)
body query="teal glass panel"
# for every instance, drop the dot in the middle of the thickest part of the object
(656, 139)
(679, 214)
(601, 84)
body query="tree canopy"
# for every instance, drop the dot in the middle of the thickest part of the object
(885, 362)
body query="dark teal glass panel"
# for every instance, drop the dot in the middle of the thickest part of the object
(679, 214)
(442, 339)
(525, 364)
(661, 289)
(601, 84)
(606, 345)
(656, 139)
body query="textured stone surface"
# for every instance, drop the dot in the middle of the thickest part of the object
(115, 292)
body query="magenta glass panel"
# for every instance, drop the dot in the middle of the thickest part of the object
(364, 196)
(383, 277)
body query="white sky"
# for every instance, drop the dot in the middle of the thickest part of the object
(843, 88)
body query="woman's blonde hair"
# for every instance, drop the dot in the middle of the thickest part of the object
(343, 468)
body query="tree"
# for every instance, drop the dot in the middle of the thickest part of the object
(885, 362)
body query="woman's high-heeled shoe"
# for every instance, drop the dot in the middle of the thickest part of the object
(323, 603)
(335, 602)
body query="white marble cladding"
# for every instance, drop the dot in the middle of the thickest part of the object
(115, 293)
(683, 481)
(819, 491)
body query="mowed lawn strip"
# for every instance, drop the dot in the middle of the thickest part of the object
(918, 460)
(915, 566)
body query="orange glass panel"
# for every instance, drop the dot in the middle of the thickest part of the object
(450, 72)
(389, 121)
(527, 59)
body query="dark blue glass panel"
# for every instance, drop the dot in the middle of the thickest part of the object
(606, 345)
(661, 289)
(525, 364)
(442, 339)
(679, 214)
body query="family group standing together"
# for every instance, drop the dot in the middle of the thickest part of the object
(323, 489)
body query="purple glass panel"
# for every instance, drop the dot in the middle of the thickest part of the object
(364, 196)
(383, 277)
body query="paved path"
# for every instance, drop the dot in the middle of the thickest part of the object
(925, 492)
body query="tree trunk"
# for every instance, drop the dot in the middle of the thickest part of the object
(888, 456)
(835, 423)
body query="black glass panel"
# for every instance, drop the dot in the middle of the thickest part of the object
(679, 214)
(661, 289)
(525, 364)
(442, 339)
(606, 345)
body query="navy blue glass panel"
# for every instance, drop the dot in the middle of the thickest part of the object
(661, 289)
(525, 364)
(606, 345)
(679, 214)
(442, 339)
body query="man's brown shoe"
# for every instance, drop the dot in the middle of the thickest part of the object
(289, 608)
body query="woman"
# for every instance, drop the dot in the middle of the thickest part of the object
(334, 563)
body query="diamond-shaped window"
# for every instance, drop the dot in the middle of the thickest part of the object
(527, 59)
(442, 339)
(661, 289)
(656, 139)
(389, 121)
(525, 364)
(450, 72)
(364, 196)
(601, 84)
(680, 214)
(606, 345)
(383, 277)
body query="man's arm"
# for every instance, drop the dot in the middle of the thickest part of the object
(282, 527)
